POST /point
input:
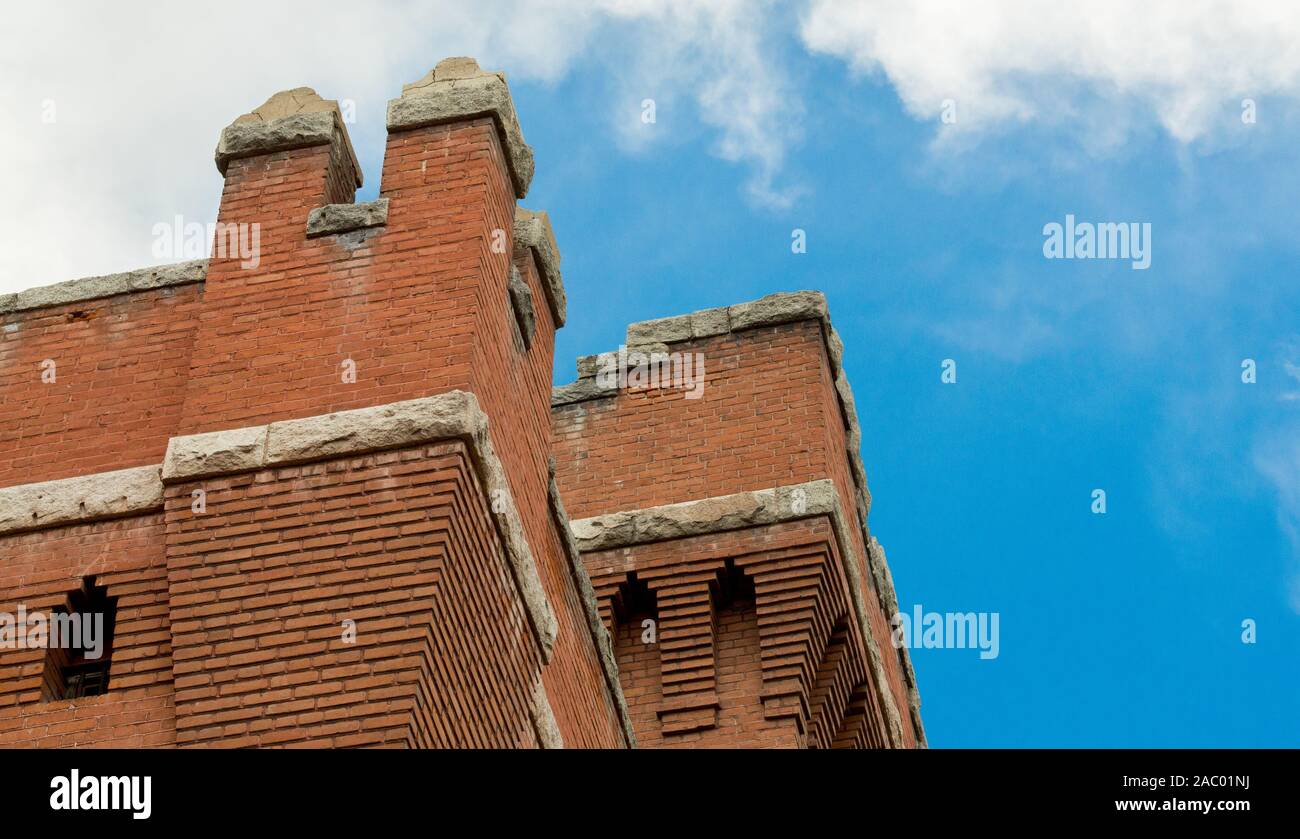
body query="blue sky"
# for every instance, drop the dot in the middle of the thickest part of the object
(1122, 629)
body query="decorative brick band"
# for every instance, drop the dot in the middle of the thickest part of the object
(741, 510)
(533, 232)
(456, 90)
(452, 415)
(86, 498)
(590, 605)
(92, 288)
(343, 218)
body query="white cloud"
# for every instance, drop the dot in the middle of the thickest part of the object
(141, 96)
(1186, 63)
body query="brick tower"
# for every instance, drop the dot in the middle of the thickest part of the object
(314, 485)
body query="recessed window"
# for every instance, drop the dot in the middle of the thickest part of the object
(80, 644)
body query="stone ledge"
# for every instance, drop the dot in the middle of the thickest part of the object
(344, 218)
(86, 498)
(590, 605)
(290, 119)
(457, 90)
(452, 415)
(533, 232)
(706, 515)
(521, 303)
(544, 724)
(580, 391)
(751, 509)
(109, 285)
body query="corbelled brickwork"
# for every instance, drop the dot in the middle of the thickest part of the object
(322, 477)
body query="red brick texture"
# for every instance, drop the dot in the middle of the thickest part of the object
(768, 416)
(119, 383)
(37, 569)
(755, 642)
(262, 582)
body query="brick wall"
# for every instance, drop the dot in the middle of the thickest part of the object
(399, 543)
(119, 383)
(742, 654)
(37, 570)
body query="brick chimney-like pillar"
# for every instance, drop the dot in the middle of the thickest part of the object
(263, 334)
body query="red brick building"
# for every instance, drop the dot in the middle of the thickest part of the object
(325, 494)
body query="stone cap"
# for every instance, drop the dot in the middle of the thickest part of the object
(456, 90)
(783, 307)
(291, 119)
(333, 219)
(654, 336)
(92, 288)
(85, 498)
(533, 232)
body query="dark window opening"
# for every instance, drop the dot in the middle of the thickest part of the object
(81, 649)
(634, 601)
(733, 588)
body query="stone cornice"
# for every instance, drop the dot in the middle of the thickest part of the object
(533, 233)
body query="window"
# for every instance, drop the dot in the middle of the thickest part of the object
(80, 644)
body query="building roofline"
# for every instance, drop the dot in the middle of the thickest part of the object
(107, 285)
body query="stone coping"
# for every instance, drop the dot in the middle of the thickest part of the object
(108, 285)
(85, 498)
(543, 718)
(344, 218)
(290, 119)
(533, 232)
(456, 90)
